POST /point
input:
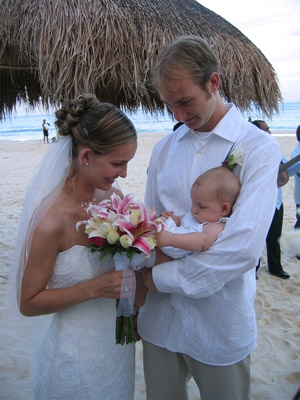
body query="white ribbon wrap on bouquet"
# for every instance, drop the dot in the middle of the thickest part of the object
(122, 263)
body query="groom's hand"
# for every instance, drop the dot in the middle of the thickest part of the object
(148, 280)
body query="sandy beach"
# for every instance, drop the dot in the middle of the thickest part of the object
(275, 364)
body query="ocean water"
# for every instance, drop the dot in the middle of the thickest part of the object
(27, 126)
(288, 117)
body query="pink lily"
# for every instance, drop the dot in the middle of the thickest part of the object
(142, 244)
(120, 205)
(97, 211)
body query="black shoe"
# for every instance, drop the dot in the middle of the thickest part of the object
(282, 274)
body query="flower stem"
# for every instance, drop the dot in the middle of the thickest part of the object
(124, 329)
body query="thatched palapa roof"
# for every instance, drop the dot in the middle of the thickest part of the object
(52, 50)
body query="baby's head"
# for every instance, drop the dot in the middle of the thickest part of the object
(213, 194)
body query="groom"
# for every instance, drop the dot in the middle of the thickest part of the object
(199, 318)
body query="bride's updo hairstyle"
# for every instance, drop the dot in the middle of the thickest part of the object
(90, 123)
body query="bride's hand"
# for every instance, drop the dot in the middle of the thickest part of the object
(109, 284)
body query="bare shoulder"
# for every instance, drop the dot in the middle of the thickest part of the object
(52, 224)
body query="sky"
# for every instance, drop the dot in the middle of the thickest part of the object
(274, 27)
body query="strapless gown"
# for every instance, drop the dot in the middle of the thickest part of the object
(78, 358)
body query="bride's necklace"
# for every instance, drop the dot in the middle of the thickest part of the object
(71, 196)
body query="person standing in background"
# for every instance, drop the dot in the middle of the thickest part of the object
(45, 131)
(294, 154)
(275, 230)
(261, 125)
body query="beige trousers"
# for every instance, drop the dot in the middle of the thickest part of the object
(167, 374)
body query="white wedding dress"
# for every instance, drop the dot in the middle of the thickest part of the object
(78, 358)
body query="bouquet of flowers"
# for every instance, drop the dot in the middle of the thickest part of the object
(125, 230)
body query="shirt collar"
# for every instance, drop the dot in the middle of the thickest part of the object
(226, 127)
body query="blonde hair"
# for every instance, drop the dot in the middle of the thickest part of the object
(187, 53)
(90, 123)
(227, 184)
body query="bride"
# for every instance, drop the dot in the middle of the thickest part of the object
(58, 275)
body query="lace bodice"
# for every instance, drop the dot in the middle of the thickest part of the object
(75, 265)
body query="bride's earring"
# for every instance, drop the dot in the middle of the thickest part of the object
(86, 163)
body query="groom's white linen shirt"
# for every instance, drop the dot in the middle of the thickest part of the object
(206, 305)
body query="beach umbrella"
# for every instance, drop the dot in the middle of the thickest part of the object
(52, 50)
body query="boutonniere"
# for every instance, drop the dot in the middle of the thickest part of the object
(233, 158)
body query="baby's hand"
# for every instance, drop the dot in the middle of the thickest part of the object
(167, 214)
(175, 218)
(164, 238)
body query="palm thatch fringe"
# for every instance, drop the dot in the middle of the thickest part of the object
(52, 50)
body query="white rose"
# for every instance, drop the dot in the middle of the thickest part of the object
(126, 241)
(112, 237)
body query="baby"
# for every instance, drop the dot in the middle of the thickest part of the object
(213, 195)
